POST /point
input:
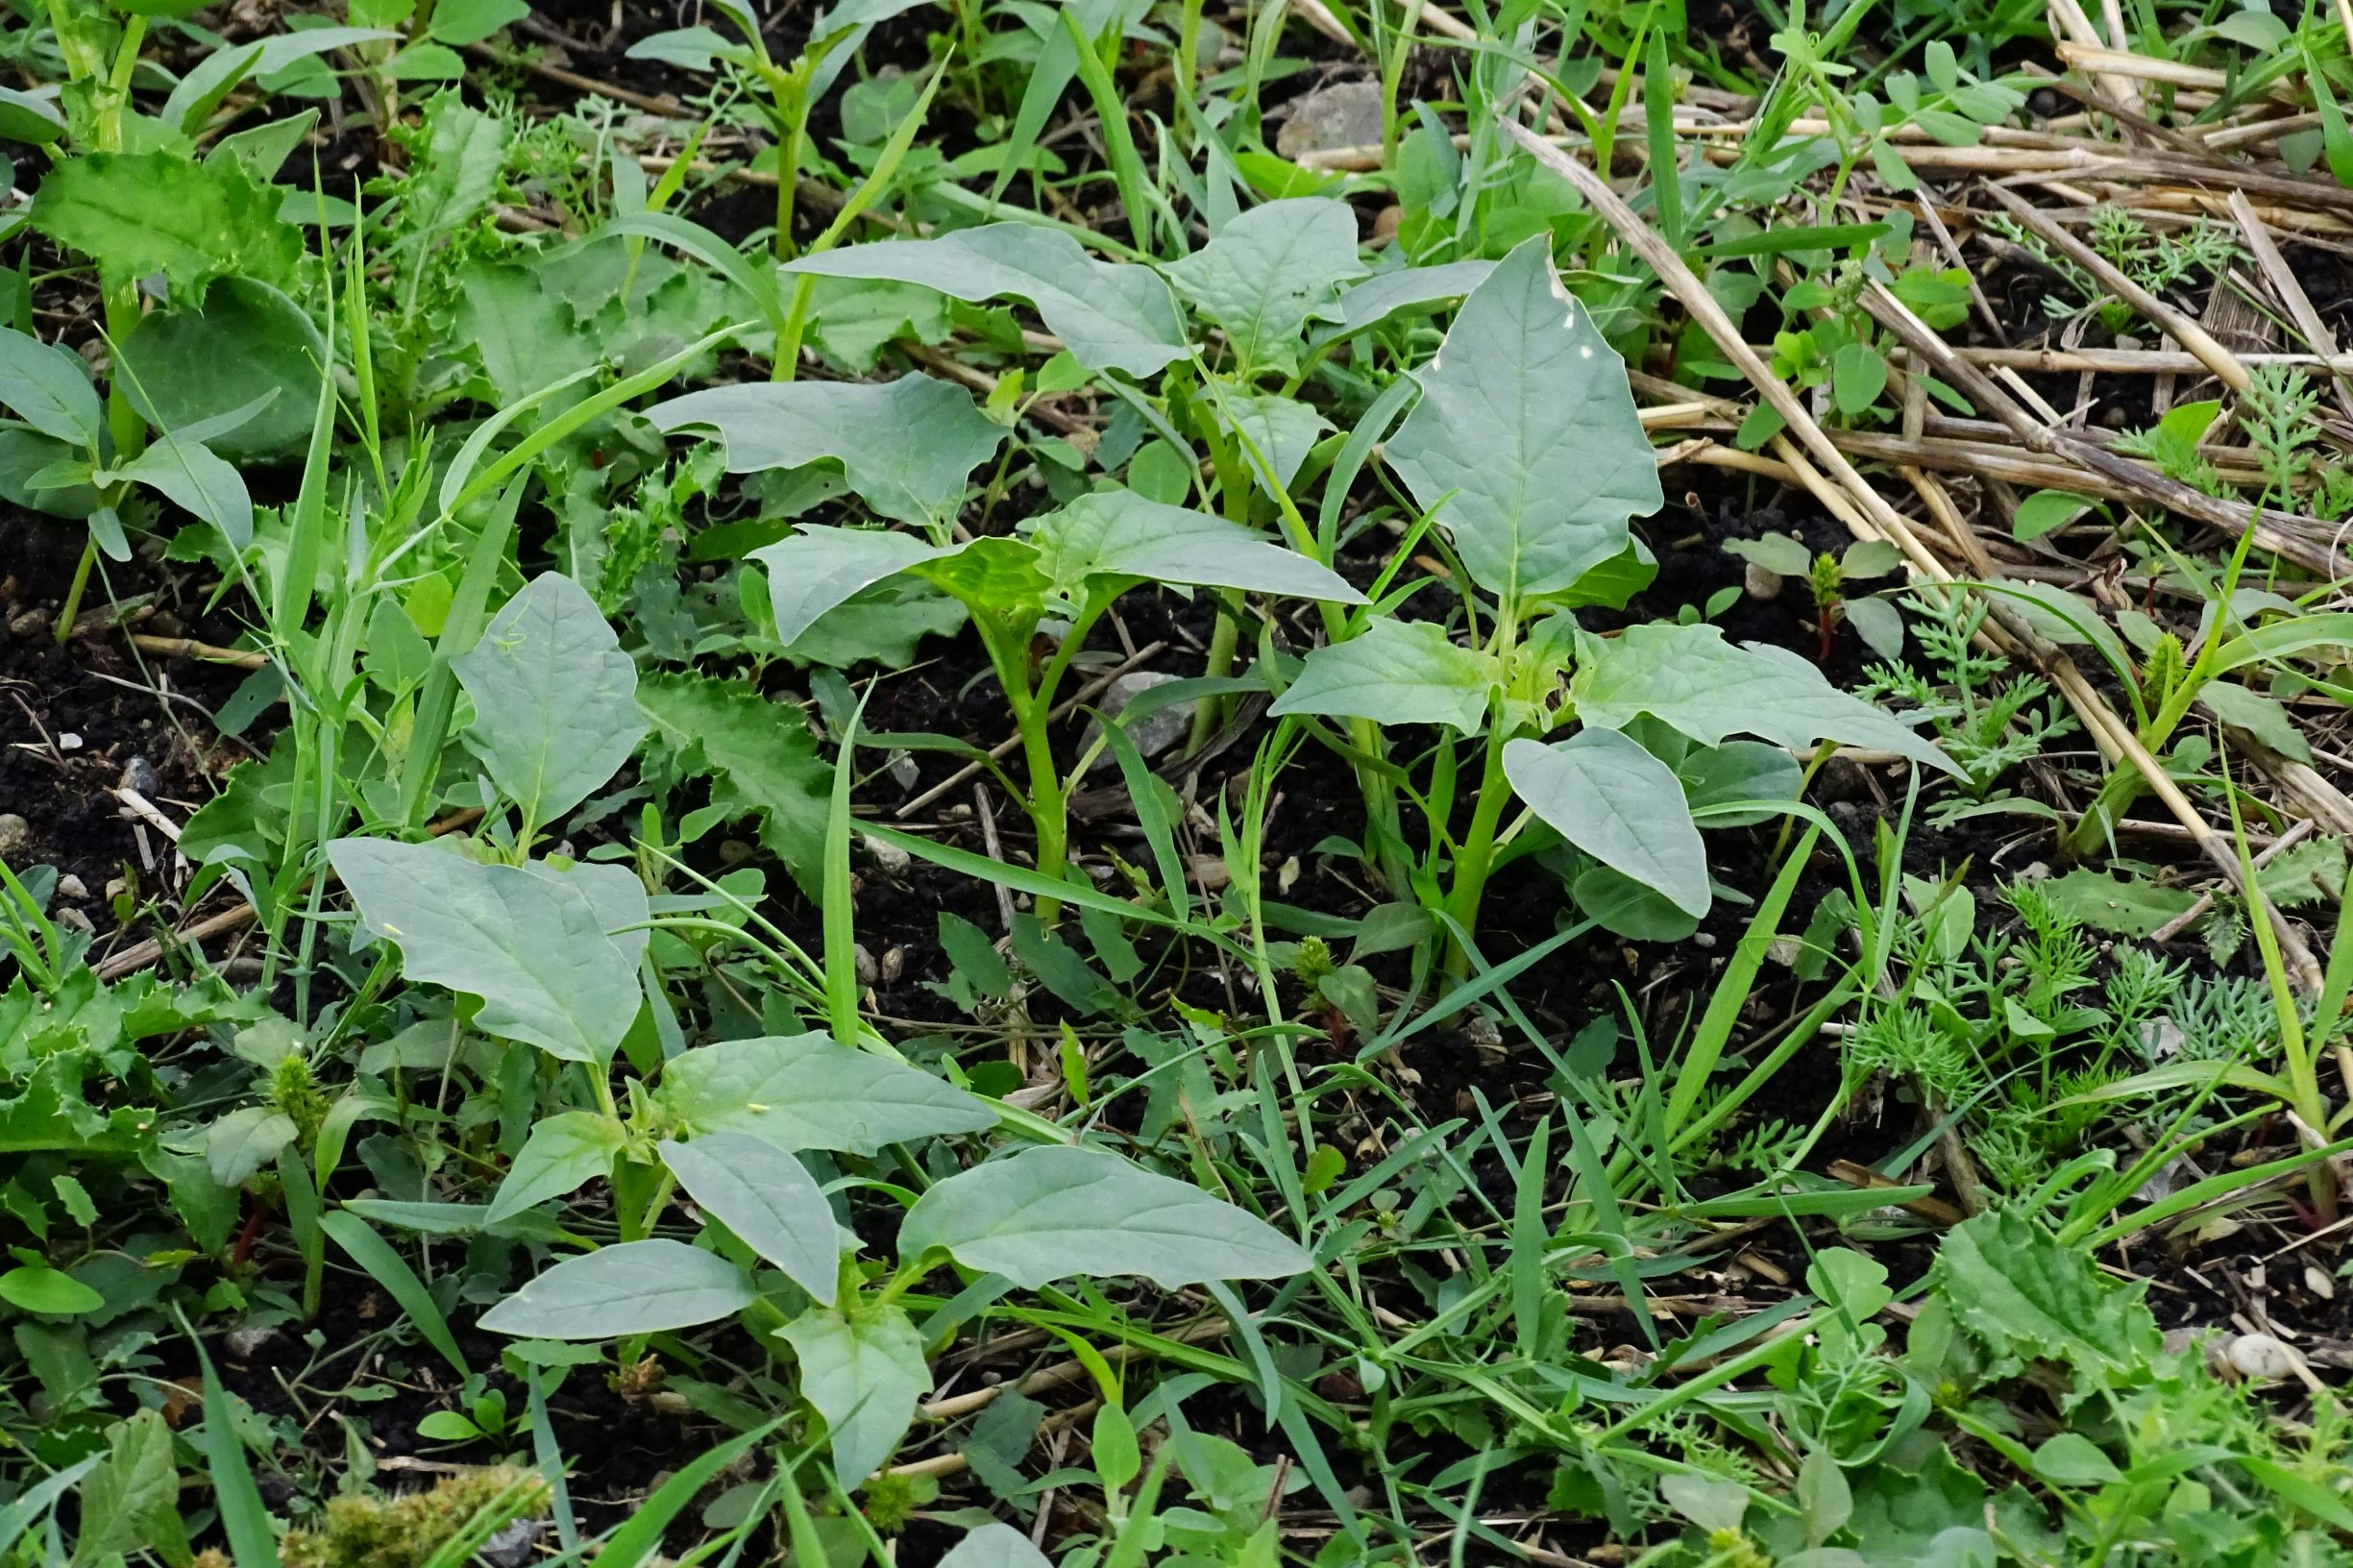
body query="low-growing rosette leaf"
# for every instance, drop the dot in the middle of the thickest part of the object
(1396, 672)
(769, 1200)
(140, 213)
(1692, 680)
(1527, 431)
(634, 1288)
(761, 757)
(907, 447)
(1110, 316)
(551, 952)
(1048, 1214)
(554, 698)
(1609, 798)
(809, 1091)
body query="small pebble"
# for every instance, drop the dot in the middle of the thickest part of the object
(863, 962)
(890, 857)
(893, 963)
(77, 919)
(14, 832)
(69, 742)
(1785, 951)
(70, 886)
(1760, 581)
(2261, 1357)
(26, 622)
(2317, 1282)
(245, 1343)
(904, 773)
(141, 775)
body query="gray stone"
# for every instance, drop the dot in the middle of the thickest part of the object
(1342, 114)
(1153, 732)
(15, 833)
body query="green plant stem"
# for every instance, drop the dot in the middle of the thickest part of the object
(71, 609)
(1475, 859)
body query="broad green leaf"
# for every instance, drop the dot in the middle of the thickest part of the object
(209, 83)
(994, 576)
(1283, 429)
(49, 388)
(769, 1200)
(1780, 554)
(1859, 374)
(2039, 513)
(908, 447)
(553, 954)
(244, 1141)
(1525, 418)
(1396, 672)
(2131, 907)
(185, 366)
(1259, 274)
(1112, 316)
(2026, 1298)
(456, 174)
(634, 1287)
(563, 1152)
(461, 22)
(863, 1371)
(1409, 288)
(1119, 533)
(198, 481)
(821, 567)
(1691, 679)
(138, 213)
(132, 1500)
(554, 698)
(1738, 770)
(37, 1287)
(31, 117)
(2260, 715)
(995, 1546)
(805, 1091)
(761, 757)
(1609, 798)
(1047, 1214)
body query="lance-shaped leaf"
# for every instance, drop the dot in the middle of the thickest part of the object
(634, 1287)
(1606, 795)
(821, 567)
(198, 482)
(863, 1370)
(49, 388)
(1409, 288)
(769, 1200)
(1691, 679)
(1396, 672)
(1119, 533)
(1047, 1214)
(809, 1091)
(550, 954)
(554, 698)
(1110, 316)
(564, 1151)
(1525, 418)
(1259, 274)
(906, 447)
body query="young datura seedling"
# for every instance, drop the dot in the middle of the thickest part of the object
(1526, 448)
(553, 952)
(1827, 579)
